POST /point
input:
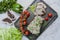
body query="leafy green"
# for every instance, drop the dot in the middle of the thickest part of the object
(9, 2)
(17, 8)
(6, 5)
(3, 7)
(10, 34)
(32, 8)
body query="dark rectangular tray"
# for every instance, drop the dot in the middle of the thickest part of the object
(44, 26)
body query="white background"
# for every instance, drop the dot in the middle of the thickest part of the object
(53, 32)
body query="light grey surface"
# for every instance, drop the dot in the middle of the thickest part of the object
(53, 32)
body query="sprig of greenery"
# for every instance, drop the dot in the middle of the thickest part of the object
(6, 5)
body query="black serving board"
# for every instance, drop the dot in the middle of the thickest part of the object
(44, 25)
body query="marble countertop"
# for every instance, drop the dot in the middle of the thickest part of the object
(53, 31)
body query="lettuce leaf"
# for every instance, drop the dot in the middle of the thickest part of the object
(10, 34)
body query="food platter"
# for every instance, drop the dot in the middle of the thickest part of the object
(49, 18)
